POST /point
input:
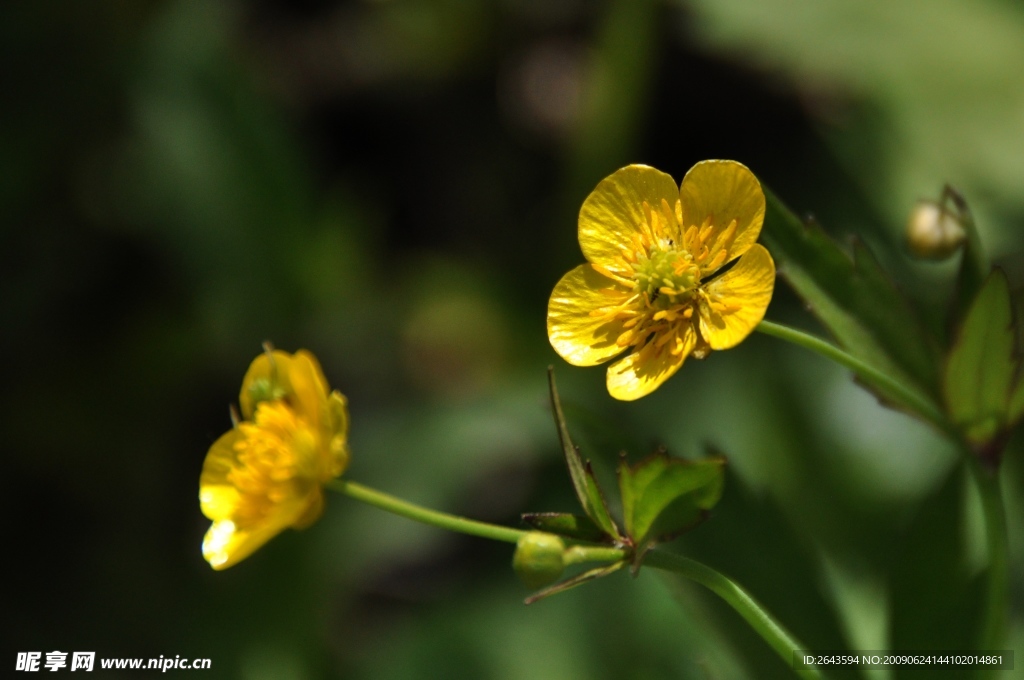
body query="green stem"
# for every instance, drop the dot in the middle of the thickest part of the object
(774, 634)
(910, 396)
(579, 554)
(418, 513)
(746, 606)
(997, 595)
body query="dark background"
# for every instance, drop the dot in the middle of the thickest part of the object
(393, 185)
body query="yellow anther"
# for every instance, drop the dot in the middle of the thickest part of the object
(728, 234)
(718, 260)
(705, 230)
(625, 339)
(670, 217)
(689, 239)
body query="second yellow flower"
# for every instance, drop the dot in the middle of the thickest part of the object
(671, 272)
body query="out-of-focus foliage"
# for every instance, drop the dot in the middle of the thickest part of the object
(395, 186)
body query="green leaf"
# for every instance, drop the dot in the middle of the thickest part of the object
(565, 585)
(855, 300)
(566, 524)
(981, 364)
(1017, 402)
(583, 481)
(664, 496)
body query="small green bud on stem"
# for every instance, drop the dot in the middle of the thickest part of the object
(538, 559)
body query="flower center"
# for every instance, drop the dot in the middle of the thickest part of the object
(666, 271)
(276, 458)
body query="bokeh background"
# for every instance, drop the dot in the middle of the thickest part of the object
(393, 184)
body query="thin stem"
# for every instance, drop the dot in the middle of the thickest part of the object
(773, 633)
(442, 520)
(578, 554)
(997, 595)
(912, 397)
(746, 606)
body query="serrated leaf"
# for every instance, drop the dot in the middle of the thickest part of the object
(580, 579)
(981, 365)
(663, 496)
(565, 524)
(583, 481)
(855, 300)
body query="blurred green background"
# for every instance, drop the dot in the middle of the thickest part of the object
(393, 184)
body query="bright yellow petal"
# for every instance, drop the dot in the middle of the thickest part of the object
(613, 214)
(226, 544)
(723, 191)
(337, 436)
(314, 508)
(579, 337)
(309, 388)
(642, 372)
(267, 378)
(217, 497)
(738, 299)
(297, 377)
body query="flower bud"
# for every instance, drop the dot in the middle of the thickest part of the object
(933, 232)
(538, 559)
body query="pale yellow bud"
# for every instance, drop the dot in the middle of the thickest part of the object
(538, 559)
(933, 232)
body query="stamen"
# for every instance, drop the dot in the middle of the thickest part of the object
(670, 219)
(689, 239)
(705, 229)
(725, 239)
(718, 260)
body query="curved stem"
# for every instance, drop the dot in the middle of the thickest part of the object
(442, 520)
(773, 633)
(746, 606)
(997, 594)
(920, 402)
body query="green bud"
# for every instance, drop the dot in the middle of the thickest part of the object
(538, 559)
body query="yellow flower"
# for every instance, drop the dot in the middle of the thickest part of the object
(671, 272)
(267, 473)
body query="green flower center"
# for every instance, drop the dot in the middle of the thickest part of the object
(667, 271)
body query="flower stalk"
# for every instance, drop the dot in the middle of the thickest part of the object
(997, 591)
(922, 404)
(781, 640)
(746, 606)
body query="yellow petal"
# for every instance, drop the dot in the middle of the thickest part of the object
(266, 378)
(217, 497)
(578, 336)
(337, 436)
(642, 372)
(741, 296)
(309, 388)
(314, 509)
(613, 214)
(280, 374)
(723, 191)
(226, 544)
